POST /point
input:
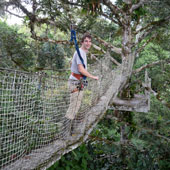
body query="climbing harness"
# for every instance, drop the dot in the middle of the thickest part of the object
(79, 85)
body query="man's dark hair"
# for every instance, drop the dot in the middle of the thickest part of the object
(86, 35)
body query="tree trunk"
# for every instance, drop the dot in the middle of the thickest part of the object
(127, 54)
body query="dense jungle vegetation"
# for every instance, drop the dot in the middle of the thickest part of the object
(146, 136)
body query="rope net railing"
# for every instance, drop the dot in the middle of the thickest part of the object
(33, 108)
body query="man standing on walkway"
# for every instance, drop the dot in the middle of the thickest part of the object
(78, 70)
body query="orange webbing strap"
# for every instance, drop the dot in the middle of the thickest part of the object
(77, 76)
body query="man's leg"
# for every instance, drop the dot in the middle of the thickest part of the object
(75, 104)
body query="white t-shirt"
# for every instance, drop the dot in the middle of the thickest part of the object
(75, 61)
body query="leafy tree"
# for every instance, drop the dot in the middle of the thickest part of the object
(51, 56)
(14, 49)
(18, 51)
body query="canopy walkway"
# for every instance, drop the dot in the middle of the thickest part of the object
(33, 107)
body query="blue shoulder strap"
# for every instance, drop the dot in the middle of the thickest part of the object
(73, 37)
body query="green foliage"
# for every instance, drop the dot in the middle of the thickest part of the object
(51, 56)
(107, 32)
(2, 8)
(77, 159)
(17, 50)
(145, 149)
(159, 9)
(138, 13)
(14, 49)
(159, 74)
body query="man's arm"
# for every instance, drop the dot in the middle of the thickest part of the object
(84, 72)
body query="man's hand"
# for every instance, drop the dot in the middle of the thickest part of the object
(83, 71)
(95, 77)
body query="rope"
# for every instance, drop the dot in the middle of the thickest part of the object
(73, 37)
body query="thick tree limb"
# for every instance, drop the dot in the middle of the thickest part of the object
(18, 4)
(111, 58)
(98, 48)
(14, 14)
(106, 44)
(150, 65)
(46, 39)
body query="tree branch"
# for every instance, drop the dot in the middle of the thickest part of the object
(98, 48)
(150, 65)
(106, 44)
(115, 10)
(153, 24)
(137, 51)
(18, 64)
(114, 61)
(24, 10)
(138, 5)
(14, 14)
(46, 39)
(111, 58)
(113, 20)
(143, 35)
